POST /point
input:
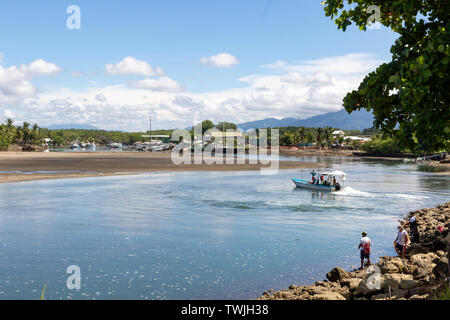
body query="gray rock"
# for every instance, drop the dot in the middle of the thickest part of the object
(351, 283)
(441, 269)
(419, 297)
(337, 274)
(328, 295)
(399, 281)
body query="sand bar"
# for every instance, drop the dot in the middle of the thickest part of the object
(22, 166)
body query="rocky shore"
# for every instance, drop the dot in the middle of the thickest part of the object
(418, 276)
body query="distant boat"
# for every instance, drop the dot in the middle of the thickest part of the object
(435, 157)
(325, 181)
(91, 145)
(161, 147)
(75, 145)
(115, 145)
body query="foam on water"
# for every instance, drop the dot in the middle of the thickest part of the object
(349, 191)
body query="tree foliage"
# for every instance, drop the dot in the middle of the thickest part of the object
(21, 135)
(409, 96)
(382, 146)
(224, 126)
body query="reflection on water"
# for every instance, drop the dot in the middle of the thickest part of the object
(209, 235)
(315, 195)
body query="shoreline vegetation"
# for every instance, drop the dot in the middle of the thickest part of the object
(326, 141)
(421, 275)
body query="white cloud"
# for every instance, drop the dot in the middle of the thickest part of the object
(221, 60)
(101, 97)
(42, 68)
(350, 64)
(164, 84)
(8, 114)
(133, 66)
(296, 90)
(15, 81)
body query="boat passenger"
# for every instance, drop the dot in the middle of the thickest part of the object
(334, 181)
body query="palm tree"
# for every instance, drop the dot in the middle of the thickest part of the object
(301, 134)
(36, 137)
(328, 135)
(25, 133)
(319, 137)
(11, 130)
(9, 123)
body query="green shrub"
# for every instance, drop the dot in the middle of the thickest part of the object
(444, 294)
(379, 145)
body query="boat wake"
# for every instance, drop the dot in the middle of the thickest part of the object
(349, 191)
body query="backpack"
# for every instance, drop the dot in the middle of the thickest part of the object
(366, 248)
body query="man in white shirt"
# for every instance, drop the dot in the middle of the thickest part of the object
(401, 242)
(364, 245)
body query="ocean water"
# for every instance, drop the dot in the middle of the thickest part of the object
(200, 235)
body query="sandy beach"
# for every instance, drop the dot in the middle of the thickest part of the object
(18, 166)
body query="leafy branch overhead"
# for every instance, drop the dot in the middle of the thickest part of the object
(408, 96)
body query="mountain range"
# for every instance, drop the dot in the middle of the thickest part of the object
(72, 126)
(357, 120)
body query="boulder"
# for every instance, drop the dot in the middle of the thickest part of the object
(371, 285)
(351, 283)
(337, 274)
(409, 284)
(285, 295)
(419, 297)
(423, 260)
(380, 296)
(439, 244)
(441, 269)
(391, 266)
(328, 295)
(419, 291)
(399, 281)
(394, 295)
(315, 290)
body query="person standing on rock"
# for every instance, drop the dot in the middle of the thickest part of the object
(401, 242)
(364, 245)
(414, 230)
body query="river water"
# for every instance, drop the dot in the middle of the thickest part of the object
(200, 235)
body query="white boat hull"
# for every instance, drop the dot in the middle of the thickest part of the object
(306, 185)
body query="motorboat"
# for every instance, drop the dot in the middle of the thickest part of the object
(324, 181)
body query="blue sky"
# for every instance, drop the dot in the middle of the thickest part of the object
(175, 36)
